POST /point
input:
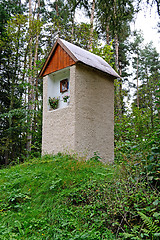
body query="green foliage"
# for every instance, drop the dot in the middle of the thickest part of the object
(82, 35)
(137, 132)
(106, 52)
(52, 19)
(116, 15)
(65, 98)
(61, 197)
(136, 145)
(149, 230)
(152, 226)
(38, 199)
(53, 102)
(14, 111)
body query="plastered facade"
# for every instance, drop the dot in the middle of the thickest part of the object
(87, 124)
(94, 113)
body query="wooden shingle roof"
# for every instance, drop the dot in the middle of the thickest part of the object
(74, 54)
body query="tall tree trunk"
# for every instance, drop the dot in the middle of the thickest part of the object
(24, 73)
(35, 64)
(30, 81)
(150, 98)
(119, 84)
(158, 103)
(73, 19)
(57, 13)
(116, 51)
(91, 23)
(137, 81)
(120, 91)
(115, 35)
(36, 44)
(107, 33)
(152, 114)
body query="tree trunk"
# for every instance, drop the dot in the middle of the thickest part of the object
(116, 52)
(30, 81)
(36, 44)
(35, 65)
(73, 18)
(57, 13)
(107, 33)
(150, 98)
(24, 73)
(120, 91)
(137, 82)
(152, 114)
(119, 81)
(91, 23)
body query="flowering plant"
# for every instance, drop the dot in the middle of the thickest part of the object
(53, 102)
(65, 98)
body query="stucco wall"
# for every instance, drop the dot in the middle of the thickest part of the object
(94, 113)
(87, 124)
(58, 125)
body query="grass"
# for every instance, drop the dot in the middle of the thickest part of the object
(64, 198)
(54, 198)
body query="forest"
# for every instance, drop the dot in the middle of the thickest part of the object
(28, 31)
(60, 197)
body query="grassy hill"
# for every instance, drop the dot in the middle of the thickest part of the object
(60, 197)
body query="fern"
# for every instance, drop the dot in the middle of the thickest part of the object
(153, 228)
(131, 236)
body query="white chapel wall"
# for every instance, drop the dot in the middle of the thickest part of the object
(54, 86)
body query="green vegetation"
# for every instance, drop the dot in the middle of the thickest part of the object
(53, 102)
(62, 197)
(28, 31)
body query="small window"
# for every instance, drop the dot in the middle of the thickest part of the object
(64, 85)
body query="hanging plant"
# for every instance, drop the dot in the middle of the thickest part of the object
(53, 102)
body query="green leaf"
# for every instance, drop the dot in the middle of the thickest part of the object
(156, 215)
(155, 203)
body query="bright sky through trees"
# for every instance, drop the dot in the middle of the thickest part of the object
(147, 21)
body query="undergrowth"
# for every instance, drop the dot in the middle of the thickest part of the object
(61, 197)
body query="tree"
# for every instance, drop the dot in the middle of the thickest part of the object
(20, 98)
(149, 76)
(135, 49)
(12, 91)
(114, 17)
(91, 25)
